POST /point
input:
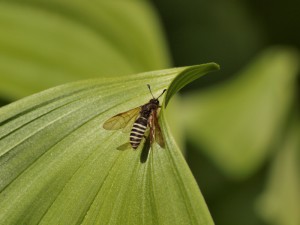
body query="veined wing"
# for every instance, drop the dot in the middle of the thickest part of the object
(125, 146)
(156, 132)
(122, 120)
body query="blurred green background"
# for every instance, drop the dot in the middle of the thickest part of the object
(241, 126)
(244, 151)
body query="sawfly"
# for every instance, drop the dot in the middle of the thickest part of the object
(137, 121)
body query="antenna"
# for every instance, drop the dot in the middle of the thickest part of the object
(162, 93)
(150, 89)
(148, 85)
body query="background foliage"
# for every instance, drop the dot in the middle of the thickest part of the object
(244, 150)
(240, 128)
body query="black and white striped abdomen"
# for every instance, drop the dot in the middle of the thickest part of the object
(138, 131)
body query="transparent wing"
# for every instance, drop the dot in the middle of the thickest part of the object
(122, 120)
(156, 130)
(125, 146)
(158, 135)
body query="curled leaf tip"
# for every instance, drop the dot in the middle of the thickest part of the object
(187, 76)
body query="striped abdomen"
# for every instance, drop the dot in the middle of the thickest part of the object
(138, 131)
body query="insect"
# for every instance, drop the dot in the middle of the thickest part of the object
(141, 117)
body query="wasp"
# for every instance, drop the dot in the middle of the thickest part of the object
(137, 121)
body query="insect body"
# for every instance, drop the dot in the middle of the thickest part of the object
(140, 125)
(142, 117)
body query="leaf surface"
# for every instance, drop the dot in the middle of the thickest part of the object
(59, 166)
(47, 43)
(279, 203)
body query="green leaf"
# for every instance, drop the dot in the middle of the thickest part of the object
(191, 74)
(46, 43)
(237, 122)
(59, 166)
(279, 204)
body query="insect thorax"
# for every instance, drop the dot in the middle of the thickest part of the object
(147, 109)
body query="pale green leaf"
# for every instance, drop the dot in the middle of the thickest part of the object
(280, 202)
(46, 43)
(59, 166)
(191, 74)
(175, 121)
(237, 122)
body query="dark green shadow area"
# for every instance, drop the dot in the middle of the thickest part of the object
(229, 201)
(145, 151)
(4, 102)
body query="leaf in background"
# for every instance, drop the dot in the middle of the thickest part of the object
(175, 122)
(175, 115)
(236, 123)
(46, 43)
(280, 203)
(59, 166)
